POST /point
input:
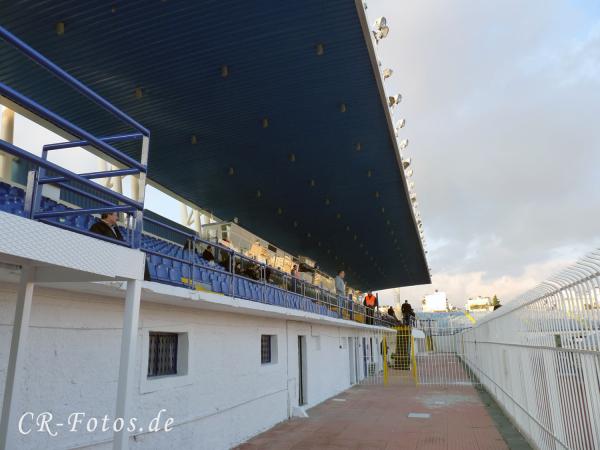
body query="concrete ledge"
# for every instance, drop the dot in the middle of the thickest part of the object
(61, 255)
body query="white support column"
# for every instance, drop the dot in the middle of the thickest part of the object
(7, 133)
(127, 364)
(135, 187)
(197, 222)
(183, 214)
(18, 346)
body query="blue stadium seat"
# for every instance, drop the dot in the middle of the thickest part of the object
(175, 275)
(162, 272)
(152, 270)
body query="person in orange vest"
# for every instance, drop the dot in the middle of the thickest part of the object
(371, 302)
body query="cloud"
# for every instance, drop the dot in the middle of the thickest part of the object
(459, 287)
(501, 101)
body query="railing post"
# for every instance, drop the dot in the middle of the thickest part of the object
(7, 131)
(139, 214)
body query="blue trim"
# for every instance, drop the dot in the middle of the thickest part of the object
(38, 109)
(68, 79)
(71, 144)
(92, 175)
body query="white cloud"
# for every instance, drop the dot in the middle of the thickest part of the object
(501, 101)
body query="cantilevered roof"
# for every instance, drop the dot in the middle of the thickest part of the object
(268, 111)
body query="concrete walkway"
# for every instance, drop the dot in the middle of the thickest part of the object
(396, 417)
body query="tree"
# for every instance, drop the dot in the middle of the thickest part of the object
(496, 302)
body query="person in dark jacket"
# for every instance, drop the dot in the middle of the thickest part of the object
(207, 254)
(107, 226)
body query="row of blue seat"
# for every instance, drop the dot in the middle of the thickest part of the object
(165, 269)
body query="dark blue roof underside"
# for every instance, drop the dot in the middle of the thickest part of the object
(174, 51)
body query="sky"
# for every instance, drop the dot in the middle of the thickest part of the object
(502, 100)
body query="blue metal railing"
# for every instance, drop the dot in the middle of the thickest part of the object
(111, 201)
(235, 266)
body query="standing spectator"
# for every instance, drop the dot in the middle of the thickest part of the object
(340, 285)
(207, 254)
(371, 302)
(392, 314)
(295, 273)
(407, 312)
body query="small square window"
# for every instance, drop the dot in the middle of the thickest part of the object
(265, 349)
(162, 354)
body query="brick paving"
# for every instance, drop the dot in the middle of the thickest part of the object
(376, 417)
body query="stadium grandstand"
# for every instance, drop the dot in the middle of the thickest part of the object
(270, 124)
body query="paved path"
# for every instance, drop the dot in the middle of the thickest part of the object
(377, 417)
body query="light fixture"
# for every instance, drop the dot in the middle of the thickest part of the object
(399, 124)
(405, 163)
(320, 49)
(224, 71)
(231, 171)
(343, 107)
(403, 144)
(265, 122)
(393, 100)
(413, 197)
(60, 28)
(387, 73)
(381, 29)
(194, 139)
(409, 173)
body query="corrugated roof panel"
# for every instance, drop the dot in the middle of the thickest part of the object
(174, 51)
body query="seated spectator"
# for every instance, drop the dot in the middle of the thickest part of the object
(107, 226)
(392, 315)
(224, 260)
(207, 254)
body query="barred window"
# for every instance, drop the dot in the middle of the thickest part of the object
(265, 349)
(162, 354)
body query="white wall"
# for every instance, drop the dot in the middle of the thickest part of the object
(225, 397)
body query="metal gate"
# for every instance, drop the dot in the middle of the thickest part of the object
(438, 352)
(429, 351)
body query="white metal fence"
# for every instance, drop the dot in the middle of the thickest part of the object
(539, 356)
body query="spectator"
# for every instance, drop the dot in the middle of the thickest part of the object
(392, 314)
(371, 302)
(225, 260)
(407, 312)
(295, 272)
(207, 254)
(340, 285)
(107, 226)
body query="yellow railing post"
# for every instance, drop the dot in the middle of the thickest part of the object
(385, 364)
(414, 359)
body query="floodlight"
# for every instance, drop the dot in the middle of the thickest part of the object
(381, 29)
(403, 144)
(405, 163)
(393, 100)
(387, 73)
